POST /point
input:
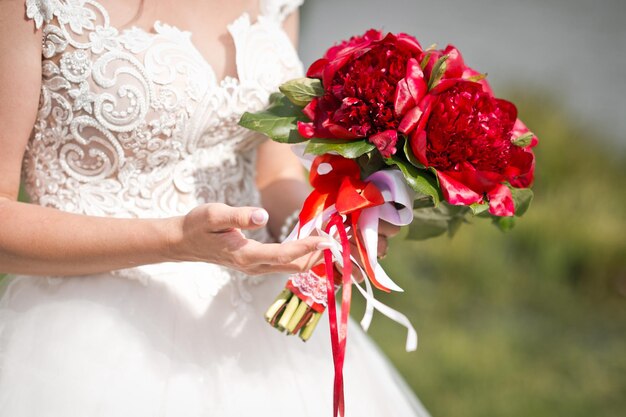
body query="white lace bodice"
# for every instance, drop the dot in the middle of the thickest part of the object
(134, 123)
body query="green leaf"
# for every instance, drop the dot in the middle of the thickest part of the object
(477, 77)
(421, 230)
(425, 61)
(424, 202)
(302, 90)
(438, 70)
(454, 211)
(421, 181)
(275, 97)
(348, 149)
(455, 224)
(370, 162)
(522, 198)
(409, 154)
(478, 208)
(434, 221)
(524, 140)
(504, 223)
(278, 121)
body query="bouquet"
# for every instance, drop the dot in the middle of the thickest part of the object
(390, 131)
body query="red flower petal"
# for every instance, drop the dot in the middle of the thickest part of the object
(403, 99)
(501, 201)
(409, 42)
(332, 67)
(385, 142)
(306, 130)
(509, 113)
(410, 120)
(456, 193)
(415, 80)
(339, 132)
(373, 35)
(520, 129)
(369, 36)
(469, 72)
(418, 146)
(446, 84)
(454, 64)
(479, 181)
(411, 89)
(521, 172)
(317, 68)
(434, 57)
(426, 105)
(310, 109)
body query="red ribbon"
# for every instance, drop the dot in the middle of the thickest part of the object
(326, 186)
(338, 333)
(342, 186)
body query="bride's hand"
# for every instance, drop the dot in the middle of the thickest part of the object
(385, 231)
(212, 233)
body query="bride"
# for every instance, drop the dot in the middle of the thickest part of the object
(141, 269)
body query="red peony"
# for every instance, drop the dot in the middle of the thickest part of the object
(467, 135)
(370, 82)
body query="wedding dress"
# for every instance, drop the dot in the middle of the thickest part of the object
(133, 123)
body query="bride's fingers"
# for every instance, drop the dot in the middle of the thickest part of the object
(302, 264)
(221, 217)
(383, 246)
(388, 229)
(357, 274)
(279, 253)
(356, 269)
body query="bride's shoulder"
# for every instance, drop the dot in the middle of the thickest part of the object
(279, 8)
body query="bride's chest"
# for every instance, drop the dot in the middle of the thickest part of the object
(133, 91)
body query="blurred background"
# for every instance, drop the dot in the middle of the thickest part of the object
(531, 322)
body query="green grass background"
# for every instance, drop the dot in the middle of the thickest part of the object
(529, 323)
(532, 322)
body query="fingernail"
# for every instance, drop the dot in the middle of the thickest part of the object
(325, 245)
(259, 216)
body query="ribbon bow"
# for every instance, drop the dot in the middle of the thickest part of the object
(339, 196)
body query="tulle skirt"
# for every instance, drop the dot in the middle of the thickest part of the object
(176, 340)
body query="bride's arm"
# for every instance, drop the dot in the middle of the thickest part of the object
(45, 241)
(281, 181)
(280, 176)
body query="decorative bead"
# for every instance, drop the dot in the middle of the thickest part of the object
(288, 225)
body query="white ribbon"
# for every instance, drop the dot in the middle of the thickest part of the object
(393, 187)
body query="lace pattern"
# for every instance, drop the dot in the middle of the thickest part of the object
(134, 123)
(311, 286)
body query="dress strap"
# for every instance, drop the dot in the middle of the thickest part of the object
(42, 11)
(279, 9)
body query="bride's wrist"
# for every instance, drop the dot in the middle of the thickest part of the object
(288, 224)
(172, 228)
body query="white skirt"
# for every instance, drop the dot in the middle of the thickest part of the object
(176, 340)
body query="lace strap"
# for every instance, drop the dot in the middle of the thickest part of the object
(279, 9)
(42, 11)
